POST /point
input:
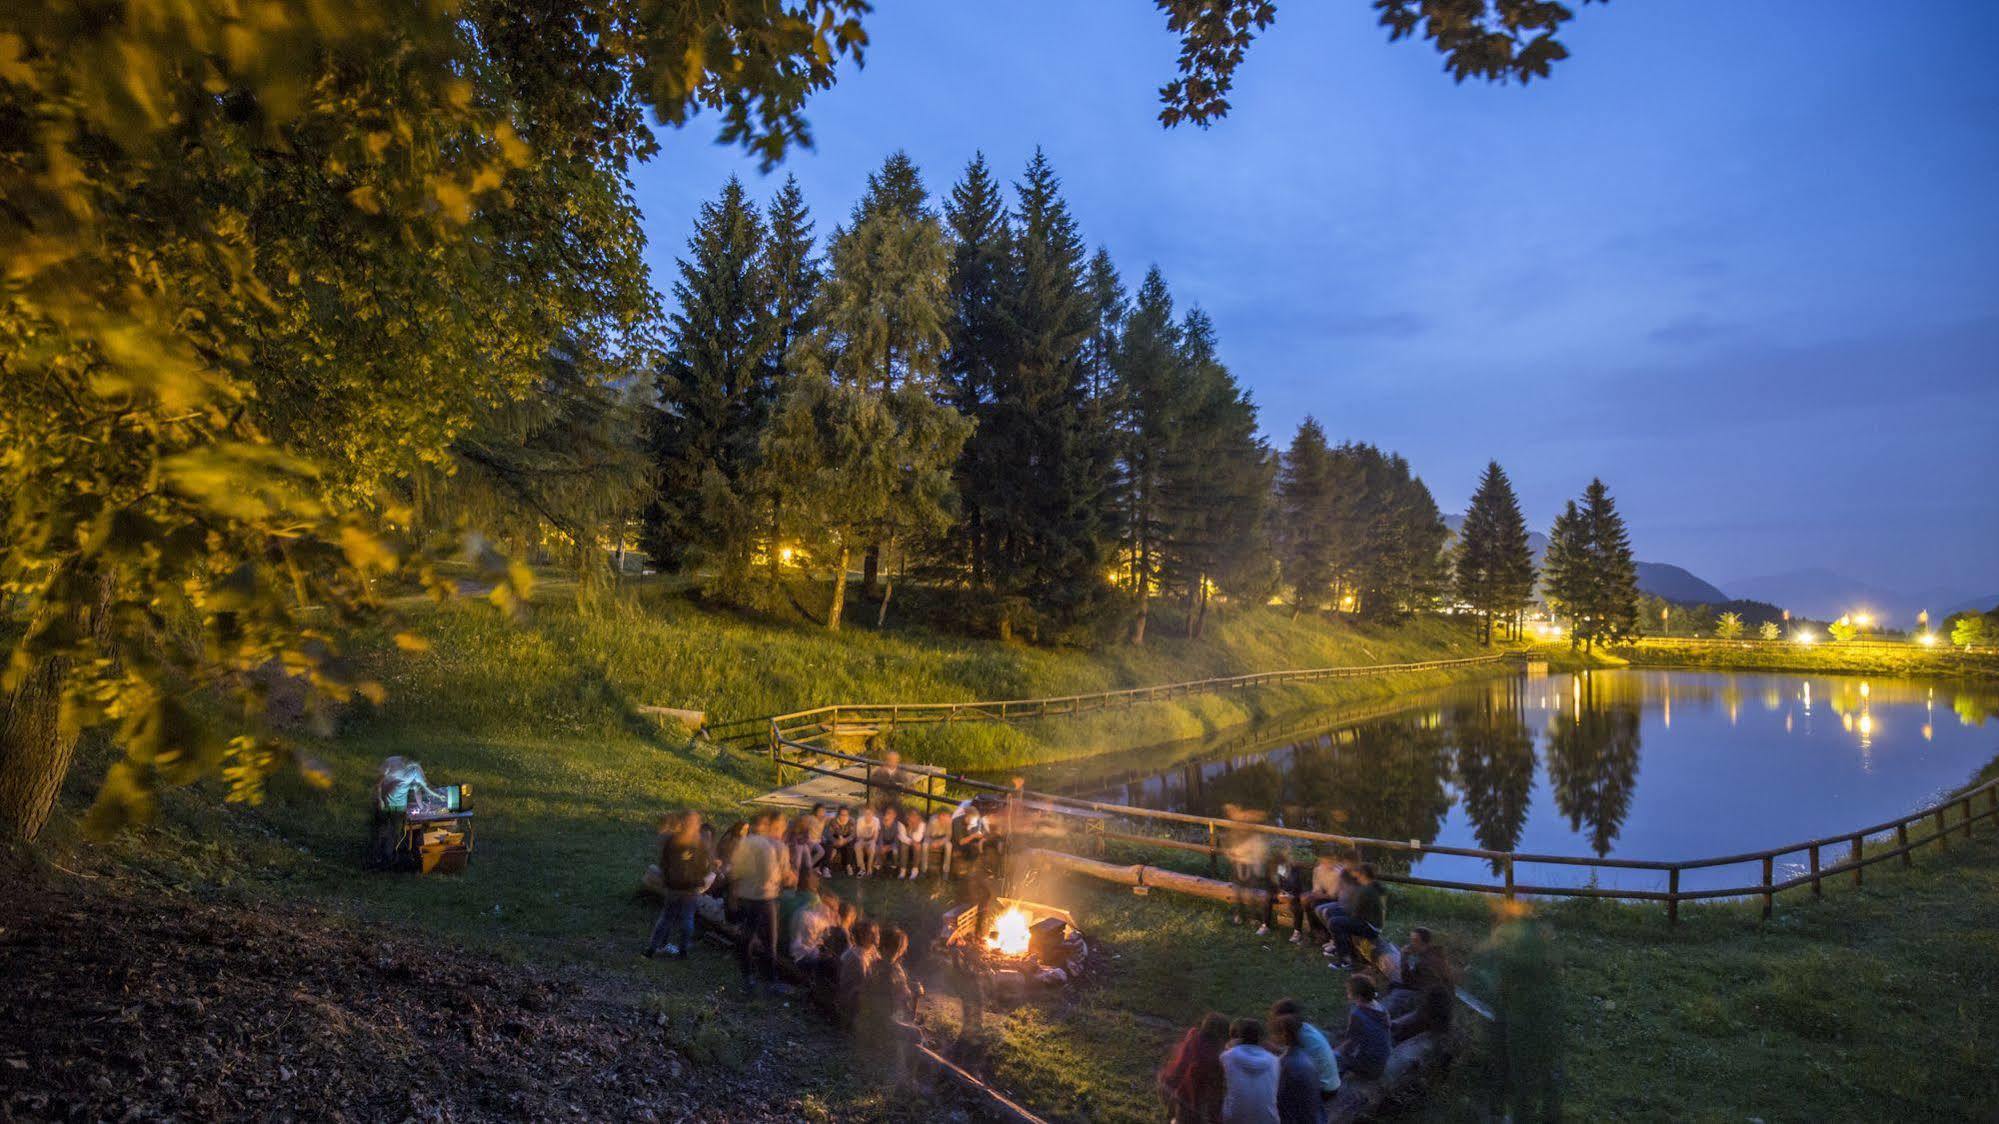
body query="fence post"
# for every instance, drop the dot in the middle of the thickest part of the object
(1943, 832)
(1817, 889)
(1966, 805)
(1857, 842)
(1769, 898)
(1902, 843)
(1214, 855)
(1673, 899)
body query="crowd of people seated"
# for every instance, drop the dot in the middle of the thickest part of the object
(769, 876)
(1284, 1069)
(1335, 900)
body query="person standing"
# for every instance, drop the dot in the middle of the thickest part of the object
(1249, 1077)
(686, 868)
(759, 870)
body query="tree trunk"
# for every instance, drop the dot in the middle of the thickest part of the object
(35, 750)
(870, 571)
(888, 591)
(1201, 617)
(839, 591)
(1138, 623)
(1193, 604)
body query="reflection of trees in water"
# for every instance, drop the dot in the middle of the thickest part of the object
(1383, 779)
(1495, 765)
(1593, 760)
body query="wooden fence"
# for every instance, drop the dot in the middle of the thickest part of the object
(801, 741)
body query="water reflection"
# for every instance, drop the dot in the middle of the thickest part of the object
(1552, 765)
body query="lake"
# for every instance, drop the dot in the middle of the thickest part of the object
(1642, 764)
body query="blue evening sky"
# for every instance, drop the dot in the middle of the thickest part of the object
(1739, 257)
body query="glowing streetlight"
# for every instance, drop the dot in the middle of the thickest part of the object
(1926, 639)
(1804, 636)
(1862, 620)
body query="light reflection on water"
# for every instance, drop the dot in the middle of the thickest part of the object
(1628, 764)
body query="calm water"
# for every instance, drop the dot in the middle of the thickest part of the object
(1632, 764)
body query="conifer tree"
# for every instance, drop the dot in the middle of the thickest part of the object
(981, 252)
(1391, 534)
(792, 267)
(881, 318)
(715, 389)
(1305, 531)
(1591, 576)
(1148, 366)
(1036, 480)
(1495, 564)
(1215, 480)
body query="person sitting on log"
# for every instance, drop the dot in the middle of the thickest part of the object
(811, 923)
(915, 831)
(888, 1002)
(867, 840)
(1325, 889)
(1363, 1053)
(1424, 997)
(1299, 1100)
(1191, 1080)
(840, 854)
(1313, 1043)
(1289, 881)
(1356, 916)
(891, 842)
(1249, 1077)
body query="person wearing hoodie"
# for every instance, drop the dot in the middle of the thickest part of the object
(1311, 1041)
(1363, 1053)
(1299, 1099)
(1249, 1077)
(1191, 1081)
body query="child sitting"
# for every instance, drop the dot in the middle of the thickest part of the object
(840, 841)
(891, 840)
(867, 841)
(914, 831)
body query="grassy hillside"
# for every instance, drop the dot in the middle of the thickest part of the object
(1901, 660)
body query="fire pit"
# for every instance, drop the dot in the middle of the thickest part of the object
(1022, 942)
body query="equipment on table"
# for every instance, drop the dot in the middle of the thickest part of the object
(440, 838)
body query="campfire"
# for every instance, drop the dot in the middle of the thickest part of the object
(1021, 942)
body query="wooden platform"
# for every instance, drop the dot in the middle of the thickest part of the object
(847, 786)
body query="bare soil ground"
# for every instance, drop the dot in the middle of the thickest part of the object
(122, 1005)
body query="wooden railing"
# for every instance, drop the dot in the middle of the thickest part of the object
(797, 741)
(845, 718)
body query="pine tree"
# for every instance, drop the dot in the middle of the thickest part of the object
(981, 252)
(1591, 576)
(715, 390)
(1215, 480)
(1390, 532)
(1148, 366)
(1495, 564)
(881, 320)
(793, 270)
(1615, 585)
(1037, 483)
(1306, 507)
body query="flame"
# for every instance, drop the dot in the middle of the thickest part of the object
(1010, 932)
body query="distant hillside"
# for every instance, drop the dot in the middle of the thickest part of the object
(1674, 583)
(1660, 579)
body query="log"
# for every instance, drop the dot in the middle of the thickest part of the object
(692, 719)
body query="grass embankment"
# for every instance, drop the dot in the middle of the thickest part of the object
(1899, 660)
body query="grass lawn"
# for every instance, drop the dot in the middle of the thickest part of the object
(1869, 1004)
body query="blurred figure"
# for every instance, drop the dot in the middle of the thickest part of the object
(1249, 1077)
(1521, 970)
(1423, 994)
(1248, 853)
(1191, 1081)
(1299, 1100)
(686, 868)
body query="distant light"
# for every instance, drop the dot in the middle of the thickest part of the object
(784, 555)
(1804, 636)
(1862, 620)
(1926, 638)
